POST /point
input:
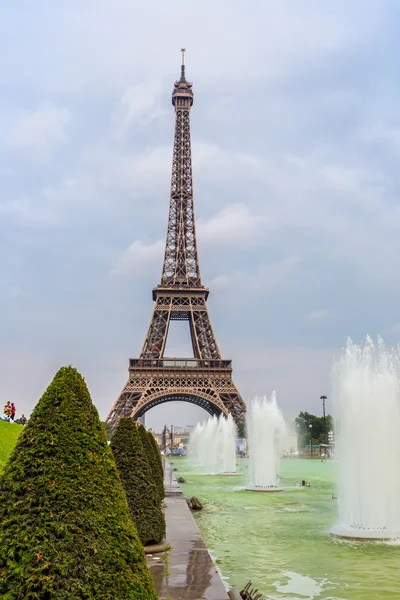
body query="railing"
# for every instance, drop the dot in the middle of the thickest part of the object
(179, 363)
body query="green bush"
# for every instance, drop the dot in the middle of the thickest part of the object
(158, 466)
(152, 460)
(140, 488)
(65, 527)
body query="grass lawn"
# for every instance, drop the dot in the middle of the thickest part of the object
(8, 437)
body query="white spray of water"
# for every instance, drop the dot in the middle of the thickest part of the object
(227, 445)
(266, 430)
(213, 445)
(366, 394)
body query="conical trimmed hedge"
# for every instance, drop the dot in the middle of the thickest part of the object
(65, 527)
(157, 464)
(137, 479)
(151, 458)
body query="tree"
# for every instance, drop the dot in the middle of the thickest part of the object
(136, 476)
(241, 429)
(303, 429)
(164, 438)
(158, 466)
(152, 461)
(65, 527)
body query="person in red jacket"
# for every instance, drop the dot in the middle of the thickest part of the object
(13, 411)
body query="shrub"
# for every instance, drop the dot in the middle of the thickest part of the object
(65, 527)
(157, 464)
(152, 460)
(140, 488)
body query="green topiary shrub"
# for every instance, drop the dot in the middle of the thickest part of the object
(65, 527)
(158, 464)
(137, 479)
(152, 460)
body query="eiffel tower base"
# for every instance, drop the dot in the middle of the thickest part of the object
(205, 383)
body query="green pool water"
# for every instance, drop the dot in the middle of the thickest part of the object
(281, 541)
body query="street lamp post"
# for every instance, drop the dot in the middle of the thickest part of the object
(323, 398)
(310, 427)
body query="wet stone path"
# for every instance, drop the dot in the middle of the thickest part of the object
(186, 571)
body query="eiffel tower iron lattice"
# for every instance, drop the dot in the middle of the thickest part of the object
(205, 379)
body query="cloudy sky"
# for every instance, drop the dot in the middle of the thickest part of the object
(296, 146)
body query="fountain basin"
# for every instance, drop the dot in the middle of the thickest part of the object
(365, 534)
(270, 489)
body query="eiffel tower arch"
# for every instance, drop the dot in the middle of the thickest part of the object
(206, 379)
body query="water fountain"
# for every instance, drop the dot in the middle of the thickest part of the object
(227, 446)
(265, 429)
(213, 445)
(366, 393)
(203, 445)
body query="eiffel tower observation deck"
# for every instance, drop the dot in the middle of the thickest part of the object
(206, 378)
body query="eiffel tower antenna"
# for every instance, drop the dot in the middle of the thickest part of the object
(204, 379)
(183, 50)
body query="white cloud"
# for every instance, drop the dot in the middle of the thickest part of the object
(104, 178)
(319, 314)
(155, 163)
(233, 225)
(216, 163)
(141, 103)
(40, 132)
(138, 172)
(126, 39)
(262, 277)
(138, 256)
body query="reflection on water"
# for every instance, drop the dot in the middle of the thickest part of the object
(178, 579)
(282, 543)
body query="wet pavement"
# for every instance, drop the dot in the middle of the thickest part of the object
(186, 571)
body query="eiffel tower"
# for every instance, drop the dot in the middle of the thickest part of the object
(206, 379)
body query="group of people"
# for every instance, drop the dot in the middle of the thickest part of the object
(10, 411)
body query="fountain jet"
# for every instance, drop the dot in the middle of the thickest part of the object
(266, 430)
(213, 445)
(366, 395)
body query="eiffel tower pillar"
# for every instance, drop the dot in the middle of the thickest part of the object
(205, 379)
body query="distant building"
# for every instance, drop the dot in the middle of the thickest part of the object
(180, 436)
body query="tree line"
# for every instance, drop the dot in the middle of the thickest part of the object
(318, 430)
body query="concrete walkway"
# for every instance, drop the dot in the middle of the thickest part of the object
(186, 572)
